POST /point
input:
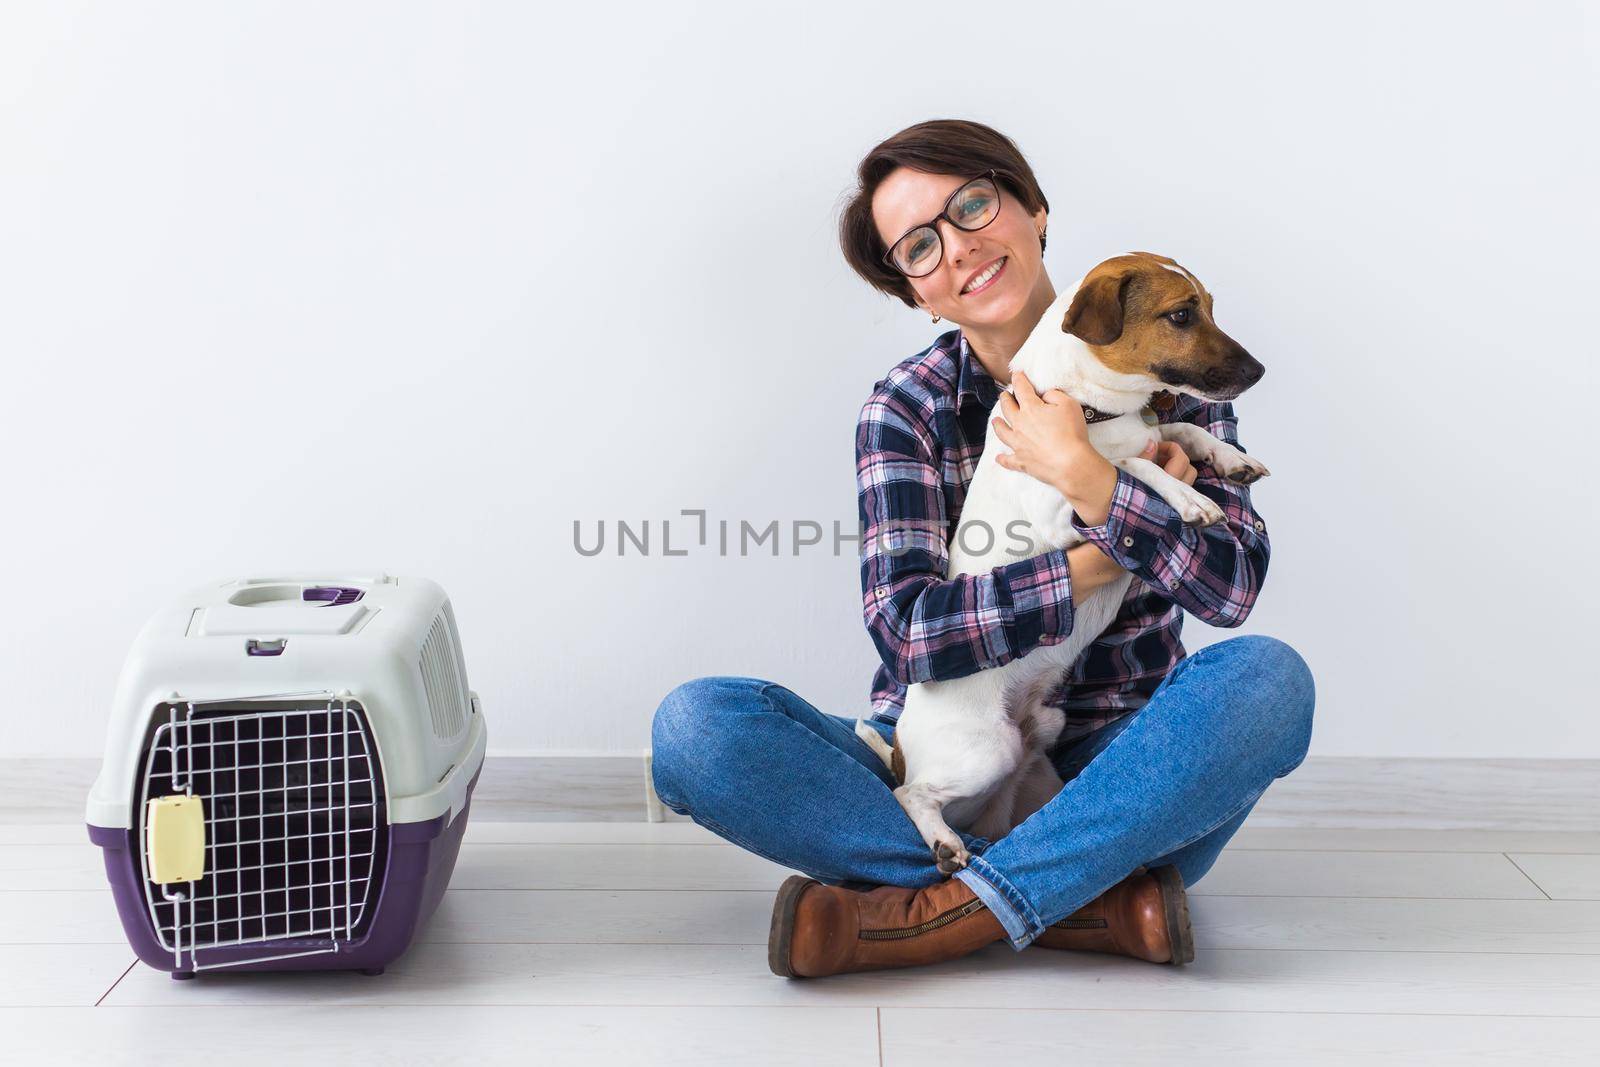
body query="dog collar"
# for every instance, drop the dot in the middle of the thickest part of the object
(1161, 401)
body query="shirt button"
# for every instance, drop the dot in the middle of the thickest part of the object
(880, 592)
(1173, 582)
(1260, 526)
(1127, 542)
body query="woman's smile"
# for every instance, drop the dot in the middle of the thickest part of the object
(986, 278)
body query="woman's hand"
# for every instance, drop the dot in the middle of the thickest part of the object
(1047, 435)
(1049, 438)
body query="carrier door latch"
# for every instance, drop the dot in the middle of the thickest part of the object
(176, 838)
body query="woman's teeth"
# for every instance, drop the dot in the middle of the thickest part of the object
(985, 276)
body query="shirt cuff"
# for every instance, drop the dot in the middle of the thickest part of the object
(1041, 599)
(1135, 525)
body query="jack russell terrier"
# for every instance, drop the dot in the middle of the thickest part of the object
(973, 751)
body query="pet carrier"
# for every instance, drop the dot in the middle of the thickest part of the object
(287, 774)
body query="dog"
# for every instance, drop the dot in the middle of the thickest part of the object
(973, 751)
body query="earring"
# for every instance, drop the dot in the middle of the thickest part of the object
(936, 318)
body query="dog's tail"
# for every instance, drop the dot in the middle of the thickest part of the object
(875, 742)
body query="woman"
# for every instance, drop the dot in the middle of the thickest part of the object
(949, 218)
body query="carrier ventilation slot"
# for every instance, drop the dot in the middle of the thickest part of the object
(293, 838)
(442, 678)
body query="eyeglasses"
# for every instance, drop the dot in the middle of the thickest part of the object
(971, 207)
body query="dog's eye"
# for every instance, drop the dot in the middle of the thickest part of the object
(1179, 317)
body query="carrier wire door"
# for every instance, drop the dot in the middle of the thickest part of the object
(293, 813)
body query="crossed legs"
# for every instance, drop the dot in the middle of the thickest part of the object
(1170, 783)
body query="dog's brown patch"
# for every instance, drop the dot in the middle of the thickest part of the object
(1122, 312)
(897, 761)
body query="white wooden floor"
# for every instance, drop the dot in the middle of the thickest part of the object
(621, 943)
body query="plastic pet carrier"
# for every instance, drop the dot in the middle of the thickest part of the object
(287, 774)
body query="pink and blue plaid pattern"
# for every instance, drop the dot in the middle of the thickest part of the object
(918, 441)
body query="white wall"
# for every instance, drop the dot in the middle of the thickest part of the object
(414, 287)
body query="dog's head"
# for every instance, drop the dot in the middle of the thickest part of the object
(1142, 314)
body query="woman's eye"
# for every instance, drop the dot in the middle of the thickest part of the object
(1179, 317)
(976, 206)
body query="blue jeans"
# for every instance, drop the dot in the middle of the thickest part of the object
(1169, 783)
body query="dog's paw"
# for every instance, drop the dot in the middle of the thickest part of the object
(1197, 509)
(1238, 467)
(950, 859)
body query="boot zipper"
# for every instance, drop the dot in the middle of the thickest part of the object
(1079, 924)
(897, 933)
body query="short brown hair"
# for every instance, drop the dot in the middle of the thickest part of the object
(939, 146)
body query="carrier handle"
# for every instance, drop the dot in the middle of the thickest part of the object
(333, 596)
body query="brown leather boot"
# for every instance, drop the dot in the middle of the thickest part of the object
(1146, 915)
(822, 929)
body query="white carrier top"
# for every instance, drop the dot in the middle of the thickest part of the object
(387, 643)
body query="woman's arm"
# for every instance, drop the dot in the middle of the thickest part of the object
(927, 627)
(1214, 572)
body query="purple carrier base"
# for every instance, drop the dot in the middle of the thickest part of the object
(422, 856)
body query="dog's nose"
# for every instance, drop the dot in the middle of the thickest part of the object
(1245, 367)
(1233, 377)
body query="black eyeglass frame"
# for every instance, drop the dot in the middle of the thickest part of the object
(933, 224)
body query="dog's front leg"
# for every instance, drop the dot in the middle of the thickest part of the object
(1196, 508)
(924, 803)
(1203, 447)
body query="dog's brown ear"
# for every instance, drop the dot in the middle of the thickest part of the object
(1096, 311)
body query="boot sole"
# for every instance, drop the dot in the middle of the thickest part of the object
(1176, 902)
(782, 931)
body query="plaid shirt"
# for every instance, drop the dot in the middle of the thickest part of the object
(918, 441)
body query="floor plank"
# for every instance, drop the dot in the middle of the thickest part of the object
(743, 917)
(696, 917)
(482, 831)
(914, 1037)
(632, 867)
(681, 866)
(375, 1034)
(51, 867)
(995, 977)
(1562, 877)
(55, 833)
(65, 975)
(1459, 793)
(1414, 925)
(1407, 840)
(1441, 875)
(1487, 875)
(1326, 839)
